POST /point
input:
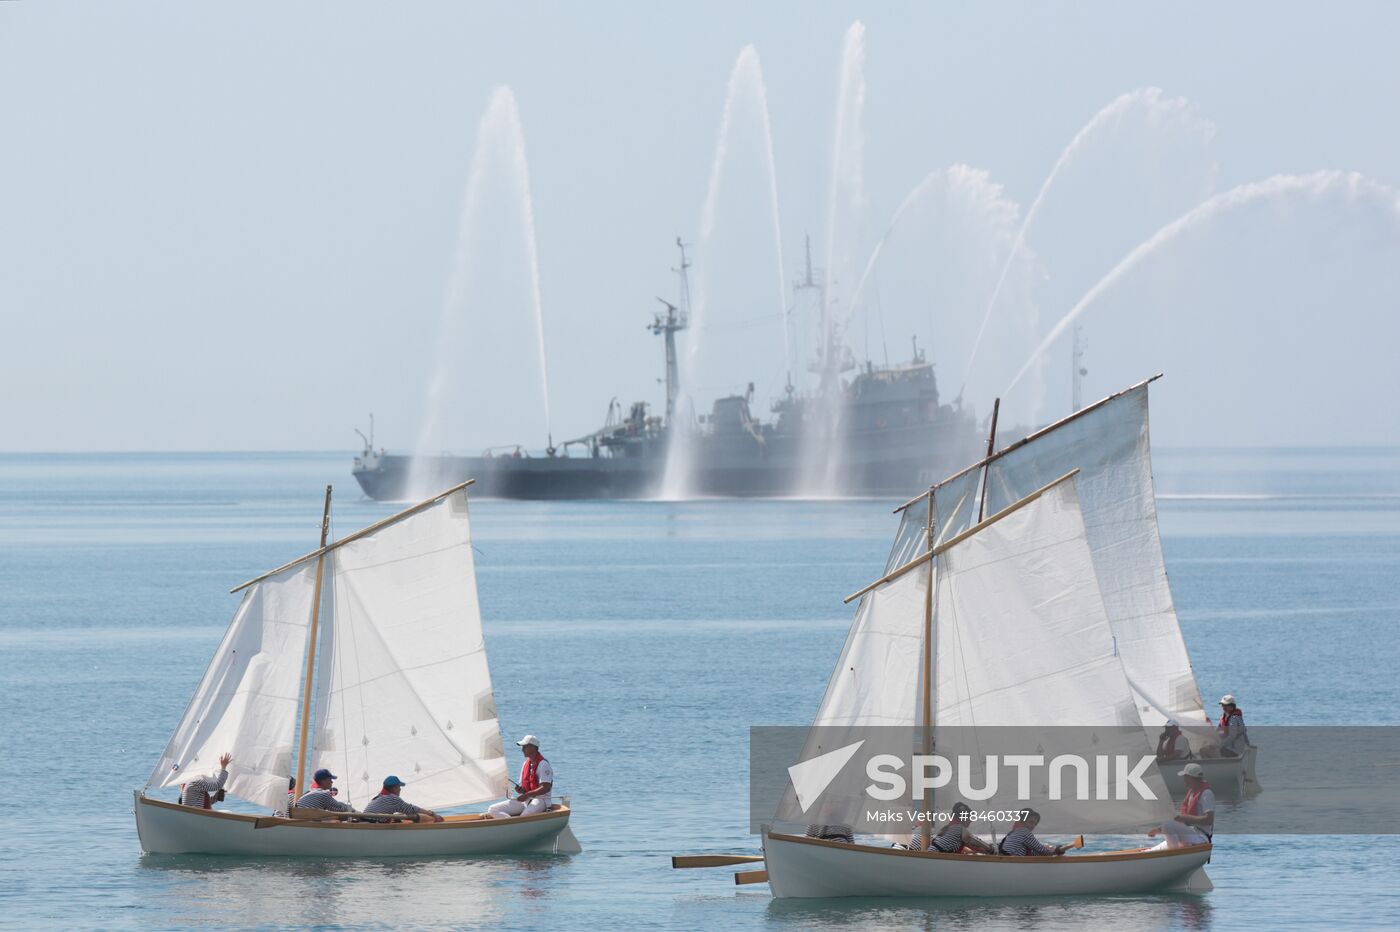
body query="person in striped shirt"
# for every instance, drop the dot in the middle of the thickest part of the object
(203, 792)
(841, 833)
(953, 837)
(1021, 840)
(322, 796)
(389, 801)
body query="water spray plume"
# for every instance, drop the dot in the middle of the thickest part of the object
(745, 83)
(498, 131)
(1352, 186)
(1150, 99)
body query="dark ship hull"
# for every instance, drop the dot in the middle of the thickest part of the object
(879, 432)
(883, 462)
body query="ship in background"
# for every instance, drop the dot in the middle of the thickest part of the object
(864, 430)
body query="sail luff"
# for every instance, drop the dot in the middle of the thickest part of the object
(362, 532)
(311, 648)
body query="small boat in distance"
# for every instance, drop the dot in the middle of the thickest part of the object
(379, 635)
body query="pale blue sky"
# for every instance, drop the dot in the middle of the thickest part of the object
(229, 225)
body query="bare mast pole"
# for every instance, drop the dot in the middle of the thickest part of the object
(926, 826)
(311, 648)
(991, 448)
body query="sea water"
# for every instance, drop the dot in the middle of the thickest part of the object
(640, 641)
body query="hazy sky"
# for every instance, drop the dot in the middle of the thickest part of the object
(230, 226)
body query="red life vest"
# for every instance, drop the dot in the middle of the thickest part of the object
(529, 778)
(1193, 796)
(1226, 716)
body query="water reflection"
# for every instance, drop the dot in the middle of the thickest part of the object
(461, 893)
(1122, 914)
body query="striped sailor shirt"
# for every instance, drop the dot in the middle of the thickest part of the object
(199, 790)
(840, 833)
(322, 799)
(1021, 842)
(388, 803)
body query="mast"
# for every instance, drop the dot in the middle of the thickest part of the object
(311, 647)
(926, 827)
(674, 320)
(991, 448)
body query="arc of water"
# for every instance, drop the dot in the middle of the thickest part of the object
(747, 73)
(501, 115)
(1150, 96)
(1316, 184)
(847, 145)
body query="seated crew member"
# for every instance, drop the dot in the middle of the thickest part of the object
(955, 836)
(1234, 739)
(389, 801)
(1021, 840)
(1171, 744)
(841, 833)
(1195, 823)
(536, 782)
(322, 796)
(204, 792)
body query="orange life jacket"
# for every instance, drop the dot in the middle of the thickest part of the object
(529, 776)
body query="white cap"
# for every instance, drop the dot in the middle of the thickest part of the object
(1227, 699)
(1173, 723)
(1192, 770)
(529, 739)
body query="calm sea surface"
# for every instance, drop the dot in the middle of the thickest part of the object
(640, 641)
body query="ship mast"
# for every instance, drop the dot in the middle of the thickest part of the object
(668, 324)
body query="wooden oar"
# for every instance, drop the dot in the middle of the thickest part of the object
(713, 860)
(1077, 843)
(326, 816)
(744, 877)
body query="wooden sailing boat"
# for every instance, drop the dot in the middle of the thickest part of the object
(1109, 443)
(388, 625)
(1114, 542)
(1011, 630)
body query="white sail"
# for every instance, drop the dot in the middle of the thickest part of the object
(403, 684)
(1109, 445)
(1020, 631)
(246, 704)
(876, 681)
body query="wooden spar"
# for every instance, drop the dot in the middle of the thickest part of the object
(1027, 439)
(986, 463)
(311, 648)
(713, 860)
(378, 525)
(323, 815)
(959, 538)
(744, 877)
(926, 827)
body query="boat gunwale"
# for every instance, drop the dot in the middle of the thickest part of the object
(1132, 854)
(561, 811)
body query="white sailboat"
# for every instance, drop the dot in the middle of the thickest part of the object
(1002, 624)
(379, 633)
(1109, 443)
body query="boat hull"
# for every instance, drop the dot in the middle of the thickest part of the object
(1229, 777)
(801, 867)
(167, 828)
